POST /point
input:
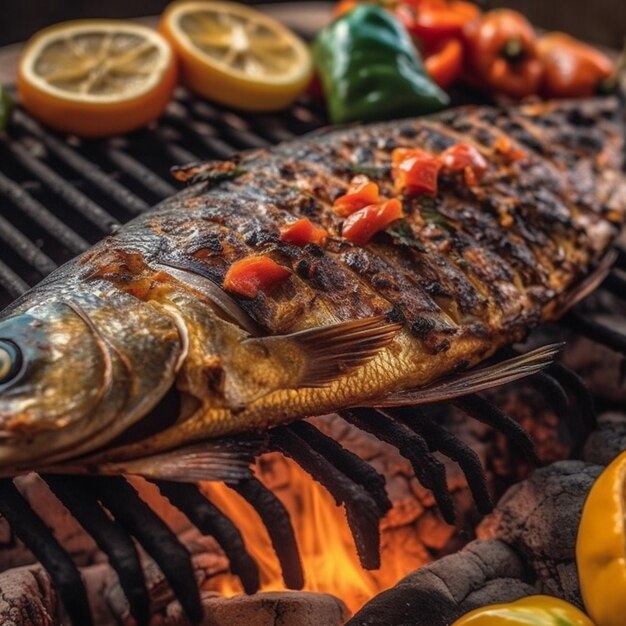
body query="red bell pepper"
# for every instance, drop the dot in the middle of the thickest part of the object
(435, 21)
(361, 193)
(415, 172)
(361, 226)
(444, 62)
(303, 232)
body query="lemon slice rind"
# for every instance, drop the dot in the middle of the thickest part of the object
(286, 74)
(69, 31)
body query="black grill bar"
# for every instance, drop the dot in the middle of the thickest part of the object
(38, 213)
(10, 281)
(128, 164)
(82, 166)
(67, 193)
(25, 248)
(63, 194)
(173, 154)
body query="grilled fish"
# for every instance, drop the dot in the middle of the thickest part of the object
(134, 358)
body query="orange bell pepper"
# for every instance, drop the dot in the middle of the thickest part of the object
(361, 226)
(444, 63)
(415, 172)
(252, 275)
(303, 232)
(571, 68)
(502, 53)
(435, 21)
(361, 193)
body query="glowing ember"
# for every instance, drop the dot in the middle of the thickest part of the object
(328, 555)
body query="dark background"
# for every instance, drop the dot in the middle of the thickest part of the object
(601, 21)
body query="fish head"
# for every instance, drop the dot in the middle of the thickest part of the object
(53, 370)
(74, 374)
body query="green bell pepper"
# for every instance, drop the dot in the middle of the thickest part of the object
(370, 69)
(6, 107)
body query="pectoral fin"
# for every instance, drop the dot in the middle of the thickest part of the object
(476, 380)
(308, 358)
(332, 351)
(226, 459)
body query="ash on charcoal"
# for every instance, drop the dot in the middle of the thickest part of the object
(608, 440)
(283, 608)
(484, 572)
(539, 518)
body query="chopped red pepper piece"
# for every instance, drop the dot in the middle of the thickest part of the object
(463, 157)
(504, 146)
(302, 232)
(249, 276)
(361, 226)
(415, 171)
(361, 193)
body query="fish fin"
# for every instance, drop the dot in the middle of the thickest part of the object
(589, 284)
(224, 459)
(308, 358)
(476, 380)
(334, 350)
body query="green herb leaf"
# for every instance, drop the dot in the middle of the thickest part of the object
(432, 217)
(402, 235)
(369, 169)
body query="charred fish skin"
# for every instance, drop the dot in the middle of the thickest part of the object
(473, 269)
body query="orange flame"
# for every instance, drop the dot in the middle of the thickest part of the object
(327, 549)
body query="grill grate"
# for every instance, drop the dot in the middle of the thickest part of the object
(59, 195)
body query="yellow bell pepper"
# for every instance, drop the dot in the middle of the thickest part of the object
(530, 611)
(601, 547)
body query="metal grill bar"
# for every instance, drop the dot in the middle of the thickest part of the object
(63, 194)
(37, 212)
(67, 193)
(83, 166)
(10, 281)
(144, 176)
(25, 248)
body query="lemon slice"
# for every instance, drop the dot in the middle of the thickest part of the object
(96, 77)
(236, 55)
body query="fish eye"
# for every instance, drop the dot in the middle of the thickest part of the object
(10, 361)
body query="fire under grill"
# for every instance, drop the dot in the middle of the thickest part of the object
(58, 195)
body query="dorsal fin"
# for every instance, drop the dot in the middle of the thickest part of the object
(308, 358)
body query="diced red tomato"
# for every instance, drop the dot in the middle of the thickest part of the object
(361, 193)
(361, 226)
(444, 63)
(434, 21)
(415, 171)
(247, 277)
(463, 157)
(303, 232)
